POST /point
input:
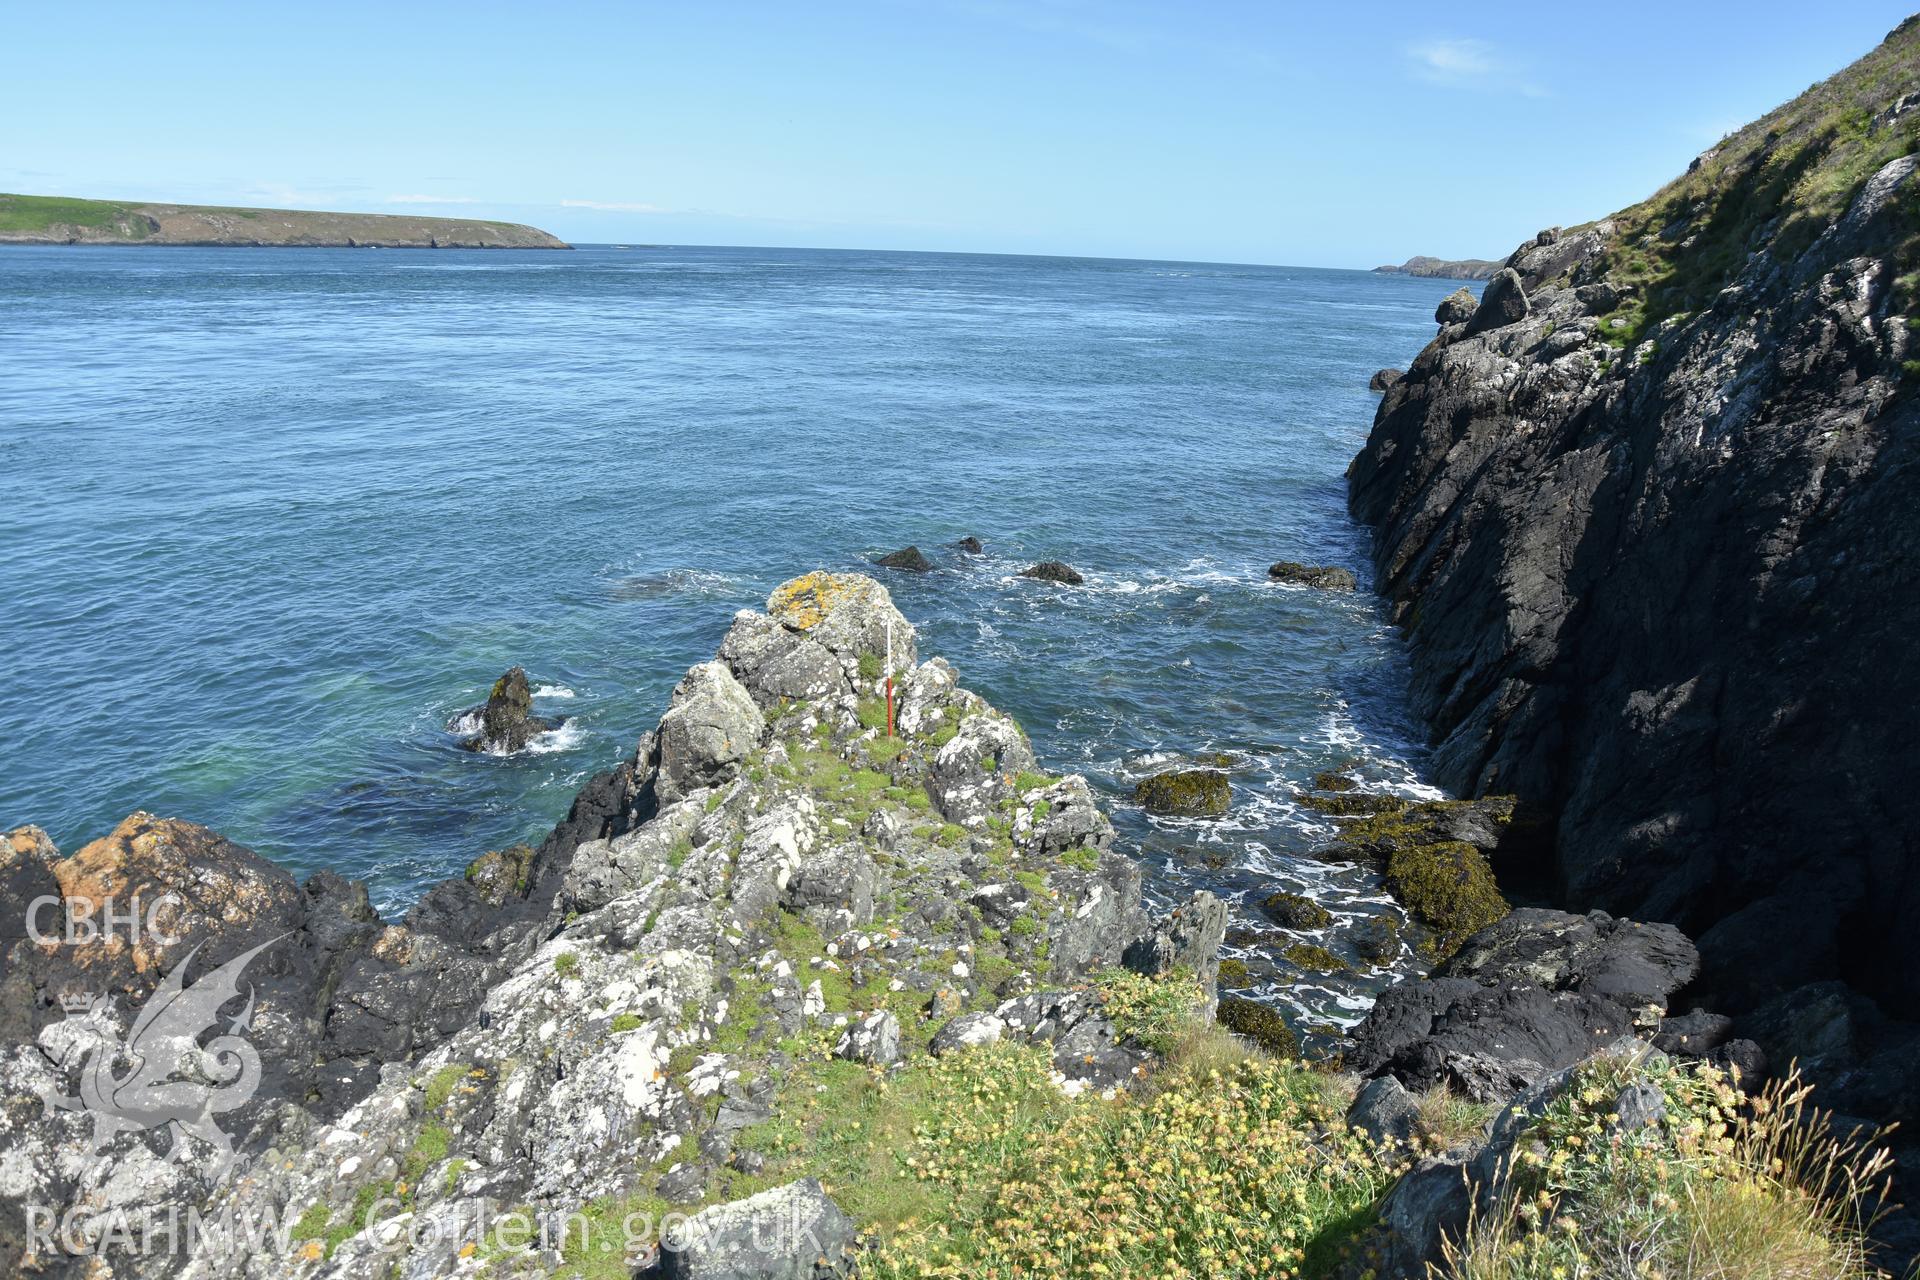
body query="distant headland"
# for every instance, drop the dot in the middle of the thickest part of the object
(1446, 268)
(62, 220)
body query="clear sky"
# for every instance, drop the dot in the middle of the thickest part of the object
(1330, 133)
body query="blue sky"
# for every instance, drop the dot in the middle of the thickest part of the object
(1314, 134)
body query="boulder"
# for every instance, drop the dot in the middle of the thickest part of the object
(1053, 571)
(1385, 378)
(1325, 577)
(910, 559)
(1457, 307)
(971, 545)
(1259, 1023)
(505, 722)
(793, 1232)
(1503, 302)
(1385, 1112)
(965, 1032)
(1203, 792)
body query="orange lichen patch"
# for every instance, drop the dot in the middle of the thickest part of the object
(175, 877)
(27, 844)
(806, 601)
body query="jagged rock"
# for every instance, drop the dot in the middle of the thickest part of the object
(1189, 938)
(910, 559)
(1457, 307)
(971, 545)
(505, 723)
(1203, 792)
(628, 994)
(793, 1232)
(1326, 578)
(1614, 562)
(874, 1039)
(1053, 571)
(1385, 378)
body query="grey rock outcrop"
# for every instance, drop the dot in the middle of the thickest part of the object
(1054, 571)
(1384, 378)
(505, 722)
(1326, 577)
(910, 559)
(612, 1013)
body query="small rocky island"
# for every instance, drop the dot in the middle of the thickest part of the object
(62, 220)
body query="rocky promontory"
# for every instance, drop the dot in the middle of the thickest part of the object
(63, 220)
(732, 938)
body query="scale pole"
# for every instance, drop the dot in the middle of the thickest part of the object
(889, 677)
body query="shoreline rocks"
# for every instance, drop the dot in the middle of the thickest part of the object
(1384, 379)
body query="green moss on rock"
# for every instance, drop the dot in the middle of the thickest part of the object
(1233, 973)
(1353, 804)
(1333, 780)
(1258, 1023)
(1449, 889)
(1185, 791)
(1317, 958)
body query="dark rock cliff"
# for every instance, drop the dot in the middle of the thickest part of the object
(1650, 517)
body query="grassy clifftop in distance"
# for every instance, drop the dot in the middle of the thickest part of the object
(63, 220)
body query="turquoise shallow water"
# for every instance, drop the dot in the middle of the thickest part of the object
(269, 517)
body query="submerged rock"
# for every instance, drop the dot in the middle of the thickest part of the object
(1202, 792)
(1296, 911)
(1053, 571)
(971, 545)
(909, 559)
(1325, 577)
(505, 722)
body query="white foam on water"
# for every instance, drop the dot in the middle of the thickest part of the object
(565, 738)
(554, 691)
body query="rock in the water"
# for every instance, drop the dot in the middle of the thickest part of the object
(1203, 792)
(505, 723)
(911, 559)
(1053, 571)
(971, 545)
(789, 1233)
(1295, 911)
(1325, 577)
(1385, 378)
(1457, 307)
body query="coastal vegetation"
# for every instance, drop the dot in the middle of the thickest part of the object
(30, 219)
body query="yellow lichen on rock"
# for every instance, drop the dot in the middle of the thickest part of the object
(805, 602)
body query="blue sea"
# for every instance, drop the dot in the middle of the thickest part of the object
(268, 518)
